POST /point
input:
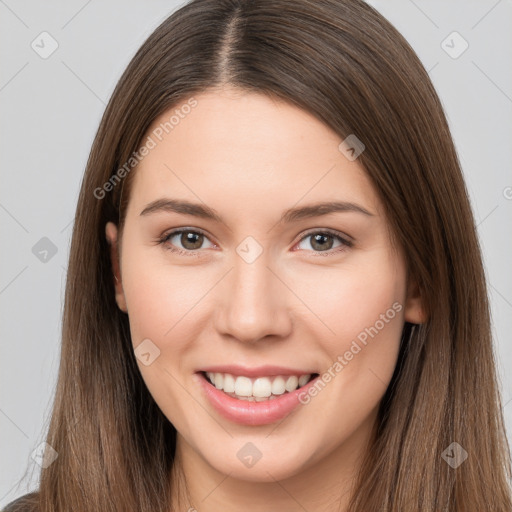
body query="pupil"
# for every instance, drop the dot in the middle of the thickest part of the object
(322, 246)
(194, 239)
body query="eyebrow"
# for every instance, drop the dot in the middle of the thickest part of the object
(290, 215)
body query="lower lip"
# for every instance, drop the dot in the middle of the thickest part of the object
(244, 412)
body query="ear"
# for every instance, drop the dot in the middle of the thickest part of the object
(111, 234)
(414, 307)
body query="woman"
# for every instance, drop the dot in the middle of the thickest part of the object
(275, 296)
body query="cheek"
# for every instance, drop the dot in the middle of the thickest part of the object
(160, 298)
(161, 302)
(363, 307)
(354, 299)
(365, 310)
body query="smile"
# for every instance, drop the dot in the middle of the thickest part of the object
(257, 389)
(255, 400)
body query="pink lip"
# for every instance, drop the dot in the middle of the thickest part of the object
(258, 371)
(252, 413)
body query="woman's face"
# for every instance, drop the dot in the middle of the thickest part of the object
(263, 285)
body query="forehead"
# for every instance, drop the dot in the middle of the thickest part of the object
(233, 147)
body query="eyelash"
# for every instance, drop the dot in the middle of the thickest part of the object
(345, 243)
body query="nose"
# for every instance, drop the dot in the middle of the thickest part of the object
(255, 302)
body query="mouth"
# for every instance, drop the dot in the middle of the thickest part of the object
(257, 389)
(254, 400)
(257, 395)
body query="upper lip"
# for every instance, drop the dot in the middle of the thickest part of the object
(256, 371)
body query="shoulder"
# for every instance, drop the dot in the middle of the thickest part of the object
(25, 503)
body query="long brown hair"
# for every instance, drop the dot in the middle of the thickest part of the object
(341, 61)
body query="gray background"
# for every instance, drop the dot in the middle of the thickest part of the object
(50, 110)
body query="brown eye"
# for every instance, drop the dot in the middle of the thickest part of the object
(185, 240)
(324, 241)
(191, 240)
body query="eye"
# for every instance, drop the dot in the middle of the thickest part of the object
(325, 242)
(191, 240)
(188, 242)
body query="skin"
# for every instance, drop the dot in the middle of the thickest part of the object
(250, 158)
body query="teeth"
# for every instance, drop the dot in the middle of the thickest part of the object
(291, 383)
(278, 386)
(243, 386)
(219, 381)
(262, 387)
(258, 389)
(303, 379)
(229, 383)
